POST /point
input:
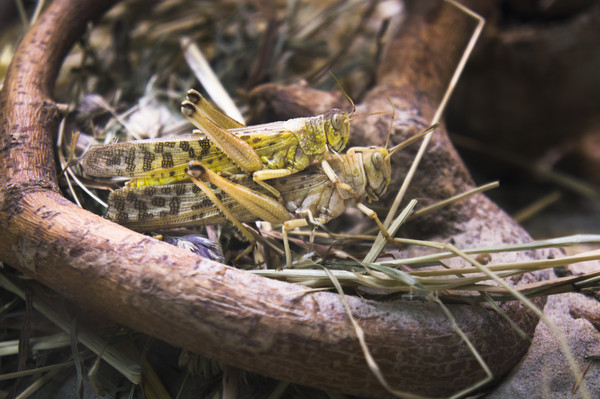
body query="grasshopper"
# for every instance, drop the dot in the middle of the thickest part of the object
(317, 194)
(265, 151)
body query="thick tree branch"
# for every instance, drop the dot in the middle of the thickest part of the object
(224, 313)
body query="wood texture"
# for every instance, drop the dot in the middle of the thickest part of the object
(224, 313)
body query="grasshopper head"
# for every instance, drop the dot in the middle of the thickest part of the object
(378, 170)
(337, 129)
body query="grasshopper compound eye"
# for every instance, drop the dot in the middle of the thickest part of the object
(377, 160)
(378, 172)
(337, 121)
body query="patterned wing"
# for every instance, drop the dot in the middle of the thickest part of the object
(156, 208)
(162, 161)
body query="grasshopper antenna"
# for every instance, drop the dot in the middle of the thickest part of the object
(366, 115)
(344, 93)
(371, 114)
(411, 139)
(387, 141)
(438, 114)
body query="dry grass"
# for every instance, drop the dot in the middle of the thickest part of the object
(125, 81)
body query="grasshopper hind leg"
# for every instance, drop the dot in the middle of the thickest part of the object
(259, 205)
(227, 213)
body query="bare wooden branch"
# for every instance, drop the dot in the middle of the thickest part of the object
(250, 322)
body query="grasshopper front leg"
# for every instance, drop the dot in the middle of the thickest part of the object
(333, 177)
(373, 215)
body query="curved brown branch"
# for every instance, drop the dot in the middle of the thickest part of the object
(224, 313)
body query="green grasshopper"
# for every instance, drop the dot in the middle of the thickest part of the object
(317, 194)
(265, 151)
(308, 194)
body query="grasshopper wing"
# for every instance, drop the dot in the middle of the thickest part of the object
(141, 157)
(155, 208)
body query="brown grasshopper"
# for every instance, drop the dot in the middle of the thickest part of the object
(316, 195)
(265, 151)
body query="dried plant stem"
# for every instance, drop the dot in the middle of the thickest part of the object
(226, 314)
(37, 370)
(439, 111)
(129, 368)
